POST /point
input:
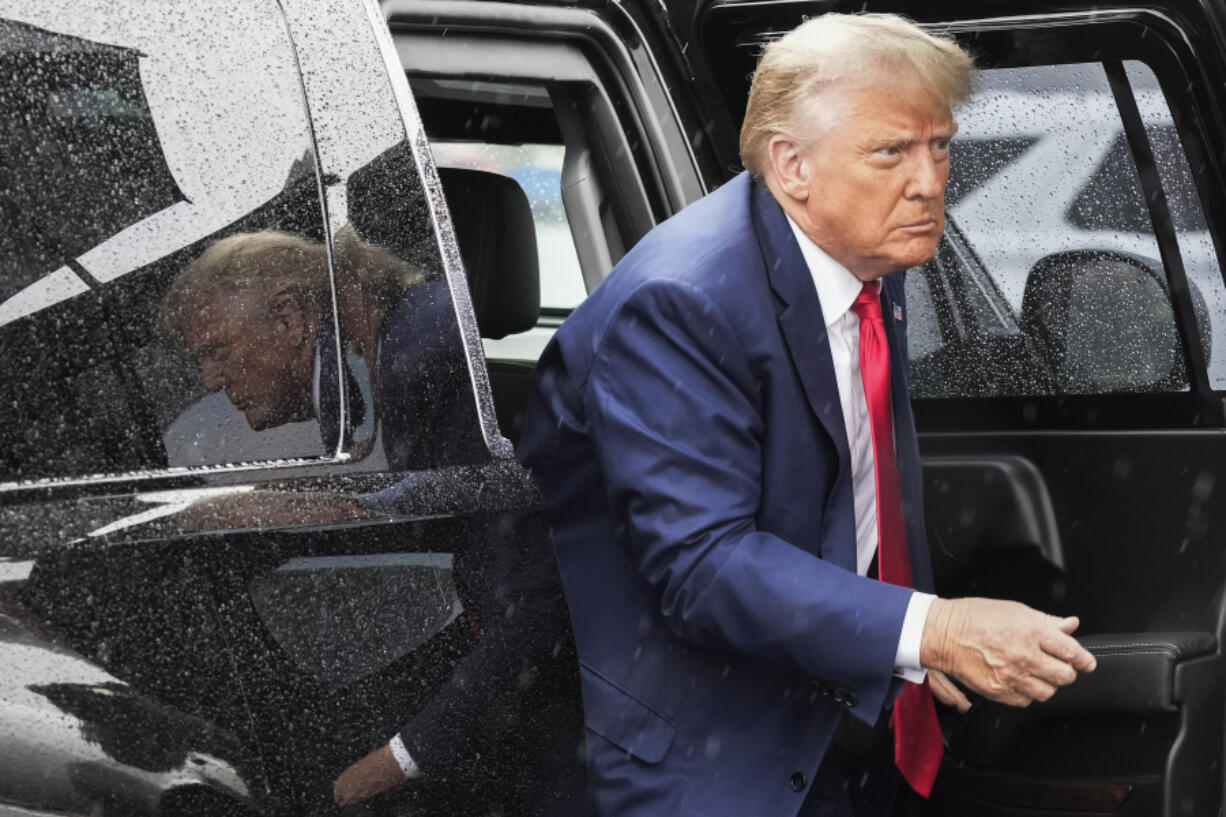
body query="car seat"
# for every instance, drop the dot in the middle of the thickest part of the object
(497, 239)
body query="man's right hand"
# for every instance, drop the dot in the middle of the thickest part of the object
(1003, 650)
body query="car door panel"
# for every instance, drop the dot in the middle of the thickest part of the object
(992, 529)
(1127, 739)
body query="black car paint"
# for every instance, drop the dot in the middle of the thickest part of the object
(1131, 480)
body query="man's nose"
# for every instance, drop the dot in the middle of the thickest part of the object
(927, 177)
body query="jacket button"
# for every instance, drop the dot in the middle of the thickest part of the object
(850, 699)
(797, 781)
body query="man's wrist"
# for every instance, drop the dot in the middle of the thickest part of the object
(936, 631)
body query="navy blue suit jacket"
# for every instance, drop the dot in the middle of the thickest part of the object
(686, 431)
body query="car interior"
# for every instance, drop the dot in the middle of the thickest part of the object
(492, 216)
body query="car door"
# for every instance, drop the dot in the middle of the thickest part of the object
(225, 578)
(1067, 354)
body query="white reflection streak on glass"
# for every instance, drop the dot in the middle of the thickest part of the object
(45, 292)
(168, 503)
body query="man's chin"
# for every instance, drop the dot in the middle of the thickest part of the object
(915, 256)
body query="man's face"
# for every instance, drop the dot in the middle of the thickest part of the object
(262, 355)
(876, 182)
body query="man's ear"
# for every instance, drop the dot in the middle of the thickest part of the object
(289, 315)
(789, 167)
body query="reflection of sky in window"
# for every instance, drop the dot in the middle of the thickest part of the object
(227, 109)
(344, 76)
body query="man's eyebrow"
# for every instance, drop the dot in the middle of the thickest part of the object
(895, 139)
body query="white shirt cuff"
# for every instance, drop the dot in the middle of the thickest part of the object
(907, 660)
(406, 762)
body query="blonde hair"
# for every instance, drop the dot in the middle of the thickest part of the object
(263, 265)
(844, 50)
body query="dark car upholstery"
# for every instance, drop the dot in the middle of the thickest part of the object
(494, 230)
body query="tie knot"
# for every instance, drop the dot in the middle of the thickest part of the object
(867, 305)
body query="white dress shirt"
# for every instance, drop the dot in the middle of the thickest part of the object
(837, 290)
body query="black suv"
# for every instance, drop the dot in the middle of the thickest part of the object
(252, 531)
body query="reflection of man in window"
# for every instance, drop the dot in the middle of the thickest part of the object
(255, 311)
(249, 311)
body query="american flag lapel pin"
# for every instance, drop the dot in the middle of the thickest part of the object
(897, 312)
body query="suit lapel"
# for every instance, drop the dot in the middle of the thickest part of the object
(801, 318)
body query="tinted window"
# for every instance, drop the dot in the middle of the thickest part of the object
(1047, 197)
(133, 143)
(1200, 260)
(408, 381)
(1112, 198)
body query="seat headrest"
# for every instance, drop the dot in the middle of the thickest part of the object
(493, 226)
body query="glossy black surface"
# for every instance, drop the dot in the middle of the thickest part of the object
(223, 581)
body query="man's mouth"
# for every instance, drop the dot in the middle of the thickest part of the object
(921, 226)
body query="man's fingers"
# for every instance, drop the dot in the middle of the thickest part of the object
(1036, 689)
(946, 692)
(1068, 625)
(1051, 670)
(343, 791)
(371, 775)
(1066, 648)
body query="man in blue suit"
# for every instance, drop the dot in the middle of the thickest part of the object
(723, 450)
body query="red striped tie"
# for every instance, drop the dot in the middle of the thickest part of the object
(917, 735)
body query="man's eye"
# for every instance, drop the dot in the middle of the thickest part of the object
(941, 144)
(889, 150)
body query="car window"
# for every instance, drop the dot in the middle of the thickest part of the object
(405, 378)
(1110, 200)
(538, 170)
(1200, 260)
(511, 129)
(923, 326)
(134, 143)
(1046, 188)
(973, 161)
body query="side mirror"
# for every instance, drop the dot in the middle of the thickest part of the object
(1104, 323)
